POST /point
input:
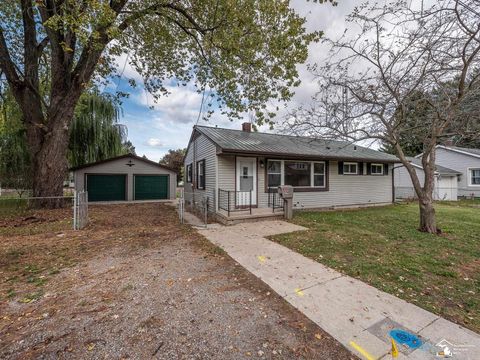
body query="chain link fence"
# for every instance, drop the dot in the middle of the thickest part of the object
(21, 203)
(18, 205)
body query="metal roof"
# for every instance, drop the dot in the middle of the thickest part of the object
(238, 141)
(442, 170)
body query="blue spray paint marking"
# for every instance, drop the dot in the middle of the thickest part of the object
(406, 338)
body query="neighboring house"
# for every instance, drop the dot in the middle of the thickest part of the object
(445, 182)
(237, 170)
(467, 162)
(125, 178)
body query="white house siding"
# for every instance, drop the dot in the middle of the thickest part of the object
(344, 190)
(119, 167)
(202, 148)
(226, 172)
(403, 183)
(460, 162)
(445, 187)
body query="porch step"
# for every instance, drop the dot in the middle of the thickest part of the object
(241, 218)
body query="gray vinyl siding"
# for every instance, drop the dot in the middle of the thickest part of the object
(346, 190)
(226, 172)
(460, 162)
(403, 183)
(119, 167)
(202, 148)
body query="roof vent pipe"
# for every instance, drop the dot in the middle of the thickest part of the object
(246, 126)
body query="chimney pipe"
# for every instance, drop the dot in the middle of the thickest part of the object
(246, 126)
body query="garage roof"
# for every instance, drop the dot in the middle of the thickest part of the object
(442, 170)
(131, 156)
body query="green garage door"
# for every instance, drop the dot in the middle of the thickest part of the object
(106, 187)
(151, 187)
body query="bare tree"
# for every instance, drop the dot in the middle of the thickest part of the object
(400, 60)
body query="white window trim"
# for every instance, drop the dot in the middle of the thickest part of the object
(350, 163)
(470, 174)
(376, 164)
(312, 172)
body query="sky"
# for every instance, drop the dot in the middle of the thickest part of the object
(156, 127)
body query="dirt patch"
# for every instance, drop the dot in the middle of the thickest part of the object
(469, 269)
(136, 284)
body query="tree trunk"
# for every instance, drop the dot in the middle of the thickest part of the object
(428, 221)
(48, 151)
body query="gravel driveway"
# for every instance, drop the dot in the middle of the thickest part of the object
(135, 285)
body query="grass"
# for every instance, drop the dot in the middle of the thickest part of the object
(383, 247)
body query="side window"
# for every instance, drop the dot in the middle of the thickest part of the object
(350, 168)
(189, 173)
(376, 169)
(201, 174)
(475, 176)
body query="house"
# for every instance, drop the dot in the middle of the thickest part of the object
(467, 162)
(445, 181)
(125, 178)
(237, 172)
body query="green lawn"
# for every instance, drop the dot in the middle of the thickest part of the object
(382, 247)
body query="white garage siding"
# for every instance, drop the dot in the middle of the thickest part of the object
(119, 166)
(461, 163)
(201, 148)
(445, 187)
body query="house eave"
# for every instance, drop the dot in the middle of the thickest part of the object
(299, 156)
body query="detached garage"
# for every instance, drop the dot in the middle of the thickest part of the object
(125, 178)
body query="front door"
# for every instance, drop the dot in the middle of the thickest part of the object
(246, 181)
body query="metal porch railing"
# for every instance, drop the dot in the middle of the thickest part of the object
(275, 201)
(233, 201)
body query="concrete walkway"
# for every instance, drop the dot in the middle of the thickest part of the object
(356, 314)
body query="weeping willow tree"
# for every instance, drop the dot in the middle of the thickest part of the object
(15, 169)
(95, 133)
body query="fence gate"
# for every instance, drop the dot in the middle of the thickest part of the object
(181, 206)
(80, 210)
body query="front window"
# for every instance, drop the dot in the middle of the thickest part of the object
(474, 176)
(300, 174)
(274, 173)
(319, 174)
(350, 168)
(201, 175)
(376, 169)
(297, 173)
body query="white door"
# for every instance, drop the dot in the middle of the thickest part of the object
(246, 181)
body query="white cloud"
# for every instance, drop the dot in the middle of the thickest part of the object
(154, 142)
(126, 70)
